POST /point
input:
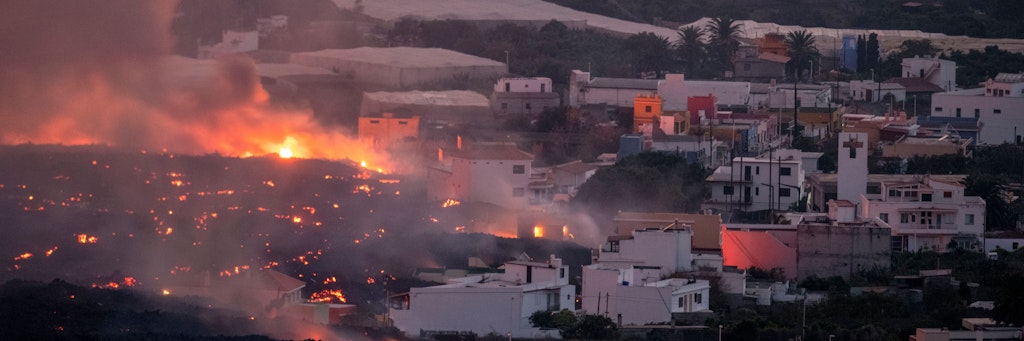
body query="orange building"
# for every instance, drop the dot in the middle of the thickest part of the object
(386, 129)
(773, 43)
(646, 109)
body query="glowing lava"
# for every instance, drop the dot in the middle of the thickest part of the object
(327, 296)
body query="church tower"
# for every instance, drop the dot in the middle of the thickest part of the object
(853, 166)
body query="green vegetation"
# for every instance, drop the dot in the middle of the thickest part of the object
(647, 182)
(576, 326)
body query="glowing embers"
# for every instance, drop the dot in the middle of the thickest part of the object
(127, 281)
(538, 231)
(327, 296)
(450, 203)
(285, 152)
(86, 239)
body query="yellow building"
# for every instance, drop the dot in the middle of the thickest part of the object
(386, 129)
(646, 110)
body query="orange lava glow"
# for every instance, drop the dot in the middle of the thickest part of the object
(86, 239)
(327, 296)
(25, 255)
(538, 231)
(450, 203)
(166, 292)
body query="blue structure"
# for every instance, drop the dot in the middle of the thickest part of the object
(629, 145)
(848, 53)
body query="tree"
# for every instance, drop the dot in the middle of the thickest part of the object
(1009, 299)
(691, 49)
(724, 33)
(591, 327)
(647, 182)
(800, 45)
(650, 52)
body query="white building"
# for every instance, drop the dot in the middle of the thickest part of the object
(924, 213)
(999, 108)
(609, 292)
(231, 42)
(757, 183)
(662, 251)
(523, 96)
(675, 91)
(493, 173)
(487, 304)
(584, 90)
(628, 283)
(401, 66)
(927, 214)
(871, 91)
(937, 71)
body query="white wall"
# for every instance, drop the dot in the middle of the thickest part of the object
(762, 173)
(535, 84)
(668, 249)
(483, 311)
(490, 181)
(1006, 126)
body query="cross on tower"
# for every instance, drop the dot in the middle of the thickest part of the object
(854, 143)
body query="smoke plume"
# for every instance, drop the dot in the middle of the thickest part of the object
(99, 72)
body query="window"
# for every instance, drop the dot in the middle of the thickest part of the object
(997, 111)
(508, 87)
(785, 171)
(969, 219)
(518, 192)
(727, 190)
(613, 246)
(374, 121)
(528, 107)
(518, 169)
(1015, 245)
(682, 301)
(784, 192)
(926, 197)
(698, 298)
(561, 272)
(647, 108)
(757, 190)
(938, 109)
(957, 112)
(904, 218)
(757, 170)
(884, 217)
(977, 113)
(403, 123)
(947, 194)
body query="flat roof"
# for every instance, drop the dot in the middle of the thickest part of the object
(276, 70)
(405, 57)
(624, 83)
(435, 98)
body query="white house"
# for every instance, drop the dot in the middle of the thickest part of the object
(662, 250)
(628, 282)
(928, 214)
(757, 183)
(871, 91)
(937, 71)
(493, 173)
(999, 108)
(609, 292)
(487, 304)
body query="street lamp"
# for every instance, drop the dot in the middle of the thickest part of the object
(830, 336)
(810, 70)
(719, 332)
(506, 62)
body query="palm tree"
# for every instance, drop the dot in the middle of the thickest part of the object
(802, 51)
(651, 52)
(691, 49)
(724, 34)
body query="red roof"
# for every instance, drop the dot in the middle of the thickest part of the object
(915, 84)
(745, 249)
(771, 57)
